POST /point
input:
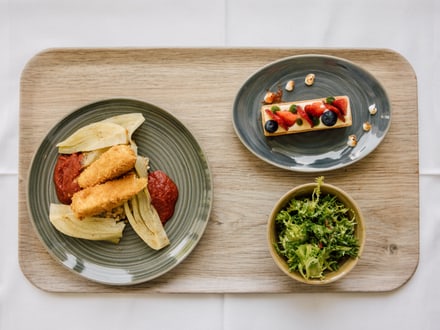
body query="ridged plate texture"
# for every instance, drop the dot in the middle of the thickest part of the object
(172, 149)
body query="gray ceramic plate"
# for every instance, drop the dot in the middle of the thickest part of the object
(171, 148)
(320, 150)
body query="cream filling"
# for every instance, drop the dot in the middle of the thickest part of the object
(305, 127)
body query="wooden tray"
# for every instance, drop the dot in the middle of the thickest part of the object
(198, 86)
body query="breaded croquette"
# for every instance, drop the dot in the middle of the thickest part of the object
(116, 161)
(106, 196)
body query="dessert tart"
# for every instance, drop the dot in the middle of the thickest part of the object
(305, 116)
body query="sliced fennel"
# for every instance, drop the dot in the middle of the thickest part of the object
(131, 121)
(142, 166)
(142, 215)
(90, 156)
(91, 228)
(94, 136)
(102, 134)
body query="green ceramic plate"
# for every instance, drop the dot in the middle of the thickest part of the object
(171, 148)
(320, 150)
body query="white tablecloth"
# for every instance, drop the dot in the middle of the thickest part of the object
(410, 27)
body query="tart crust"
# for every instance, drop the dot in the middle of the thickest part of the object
(305, 127)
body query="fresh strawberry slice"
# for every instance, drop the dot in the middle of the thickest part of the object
(270, 113)
(288, 117)
(303, 114)
(280, 120)
(336, 110)
(341, 104)
(315, 109)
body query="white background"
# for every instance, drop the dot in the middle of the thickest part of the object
(410, 27)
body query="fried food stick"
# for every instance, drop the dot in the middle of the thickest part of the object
(116, 161)
(106, 196)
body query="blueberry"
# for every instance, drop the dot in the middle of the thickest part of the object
(329, 118)
(271, 126)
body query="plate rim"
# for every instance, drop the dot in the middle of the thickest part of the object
(209, 193)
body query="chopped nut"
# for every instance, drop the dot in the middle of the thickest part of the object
(268, 98)
(372, 109)
(272, 97)
(290, 85)
(352, 140)
(310, 79)
(366, 126)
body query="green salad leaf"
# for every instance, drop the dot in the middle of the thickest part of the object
(316, 234)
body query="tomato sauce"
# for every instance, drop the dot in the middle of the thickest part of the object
(164, 194)
(67, 169)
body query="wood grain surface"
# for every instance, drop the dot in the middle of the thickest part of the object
(232, 256)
